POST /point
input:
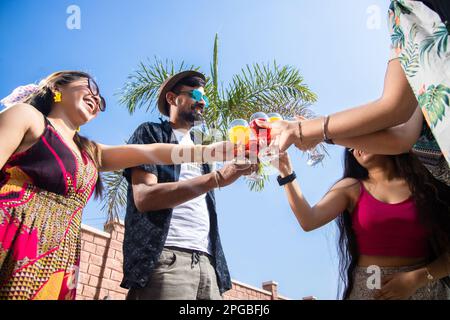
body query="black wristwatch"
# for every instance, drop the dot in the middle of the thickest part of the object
(287, 179)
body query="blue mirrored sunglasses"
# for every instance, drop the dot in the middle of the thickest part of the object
(197, 95)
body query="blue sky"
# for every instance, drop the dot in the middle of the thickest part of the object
(334, 44)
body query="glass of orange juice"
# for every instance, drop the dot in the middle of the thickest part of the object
(239, 134)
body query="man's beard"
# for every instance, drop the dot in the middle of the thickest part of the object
(192, 116)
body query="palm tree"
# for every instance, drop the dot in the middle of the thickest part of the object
(258, 87)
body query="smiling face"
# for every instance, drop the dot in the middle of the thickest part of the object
(79, 103)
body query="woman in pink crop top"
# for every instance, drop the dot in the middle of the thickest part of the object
(394, 223)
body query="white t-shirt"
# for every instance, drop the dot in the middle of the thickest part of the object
(189, 226)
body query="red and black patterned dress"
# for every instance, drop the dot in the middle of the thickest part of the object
(43, 191)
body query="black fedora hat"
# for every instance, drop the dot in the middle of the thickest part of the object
(171, 82)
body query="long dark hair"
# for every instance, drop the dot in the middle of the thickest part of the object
(43, 101)
(431, 197)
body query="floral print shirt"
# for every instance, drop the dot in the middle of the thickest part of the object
(419, 39)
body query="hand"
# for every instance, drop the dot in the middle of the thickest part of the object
(284, 132)
(219, 151)
(399, 286)
(283, 164)
(231, 172)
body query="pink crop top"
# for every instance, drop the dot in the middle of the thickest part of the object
(384, 229)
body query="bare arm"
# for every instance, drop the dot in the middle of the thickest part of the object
(149, 195)
(132, 155)
(395, 107)
(403, 285)
(328, 208)
(439, 268)
(15, 124)
(392, 141)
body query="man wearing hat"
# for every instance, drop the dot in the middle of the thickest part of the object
(172, 248)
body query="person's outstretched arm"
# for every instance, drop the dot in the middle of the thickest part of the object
(394, 107)
(132, 155)
(327, 209)
(392, 141)
(151, 195)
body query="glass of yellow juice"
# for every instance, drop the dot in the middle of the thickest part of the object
(239, 134)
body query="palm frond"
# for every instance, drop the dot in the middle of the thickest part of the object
(215, 67)
(439, 39)
(258, 87)
(141, 88)
(259, 185)
(115, 197)
(398, 38)
(436, 101)
(265, 88)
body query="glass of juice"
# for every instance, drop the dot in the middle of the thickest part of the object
(274, 116)
(239, 134)
(314, 155)
(262, 135)
(259, 138)
(270, 152)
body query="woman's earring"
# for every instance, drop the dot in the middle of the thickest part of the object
(78, 129)
(57, 97)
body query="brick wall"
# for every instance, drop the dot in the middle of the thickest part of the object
(101, 263)
(242, 291)
(101, 269)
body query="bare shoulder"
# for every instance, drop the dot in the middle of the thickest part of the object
(22, 112)
(24, 122)
(349, 186)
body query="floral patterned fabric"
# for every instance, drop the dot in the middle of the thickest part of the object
(420, 41)
(42, 194)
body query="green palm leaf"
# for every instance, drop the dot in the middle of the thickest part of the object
(410, 56)
(436, 101)
(259, 87)
(115, 197)
(141, 88)
(410, 61)
(439, 39)
(265, 88)
(398, 38)
(259, 185)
